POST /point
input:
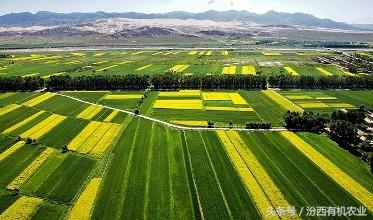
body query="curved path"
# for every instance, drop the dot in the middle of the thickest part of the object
(167, 124)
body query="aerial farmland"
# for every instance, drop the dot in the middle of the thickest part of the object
(185, 152)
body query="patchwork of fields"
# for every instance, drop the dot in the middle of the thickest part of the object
(178, 61)
(125, 167)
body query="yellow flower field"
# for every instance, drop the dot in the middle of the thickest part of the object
(111, 116)
(190, 104)
(245, 109)
(30, 169)
(179, 68)
(30, 74)
(123, 62)
(330, 169)
(215, 108)
(83, 135)
(55, 74)
(20, 124)
(192, 52)
(314, 105)
(201, 53)
(291, 71)
(8, 108)
(144, 67)
(324, 71)
(298, 97)
(326, 98)
(157, 53)
(229, 70)
(24, 208)
(90, 112)
(11, 150)
(225, 53)
(167, 53)
(43, 127)
(215, 96)
(271, 54)
(248, 70)
(107, 68)
(349, 74)
(237, 98)
(124, 96)
(100, 148)
(208, 53)
(138, 53)
(190, 123)
(39, 99)
(279, 99)
(92, 140)
(84, 205)
(261, 200)
(269, 187)
(181, 93)
(341, 105)
(100, 62)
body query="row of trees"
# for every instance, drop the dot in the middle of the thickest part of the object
(286, 81)
(341, 126)
(174, 81)
(21, 84)
(306, 121)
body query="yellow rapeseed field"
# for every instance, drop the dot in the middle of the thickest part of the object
(24, 208)
(83, 135)
(349, 184)
(39, 99)
(20, 124)
(138, 53)
(349, 74)
(190, 123)
(271, 54)
(90, 112)
(43, 127)
(314, 105)
(30, 169)
(192, 52)
(107, 68)
(245, 109)
(225, 53)
(100, 148)
(123, 62)
(190, 104)
(8, 108)
(291, 71)
(248, 70)
(29, 75)
(214, 108)
(181, 93)
(324, 71)
(269, 187)
(237, 98)
(157, 53)
(92, 140)
(215, 96)
(261, 200)
(179, 68)
(229, 70)
(100, 62)
(279, 99)
(208, 53)
(341, 105)
(144, 67)
(124, 96)
(83, 207)
(201, 53)
(298, 97)
(99, 54)
(111, 116)
(326, 98)
(11, 150)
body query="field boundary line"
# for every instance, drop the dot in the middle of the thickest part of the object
(167, 124)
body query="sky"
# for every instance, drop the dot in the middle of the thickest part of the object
(350, 11)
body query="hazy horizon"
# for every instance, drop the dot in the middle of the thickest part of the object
(358, 11)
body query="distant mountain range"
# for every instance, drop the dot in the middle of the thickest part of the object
(45, 18)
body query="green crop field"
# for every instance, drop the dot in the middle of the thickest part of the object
(147, 170)
(153, 61)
